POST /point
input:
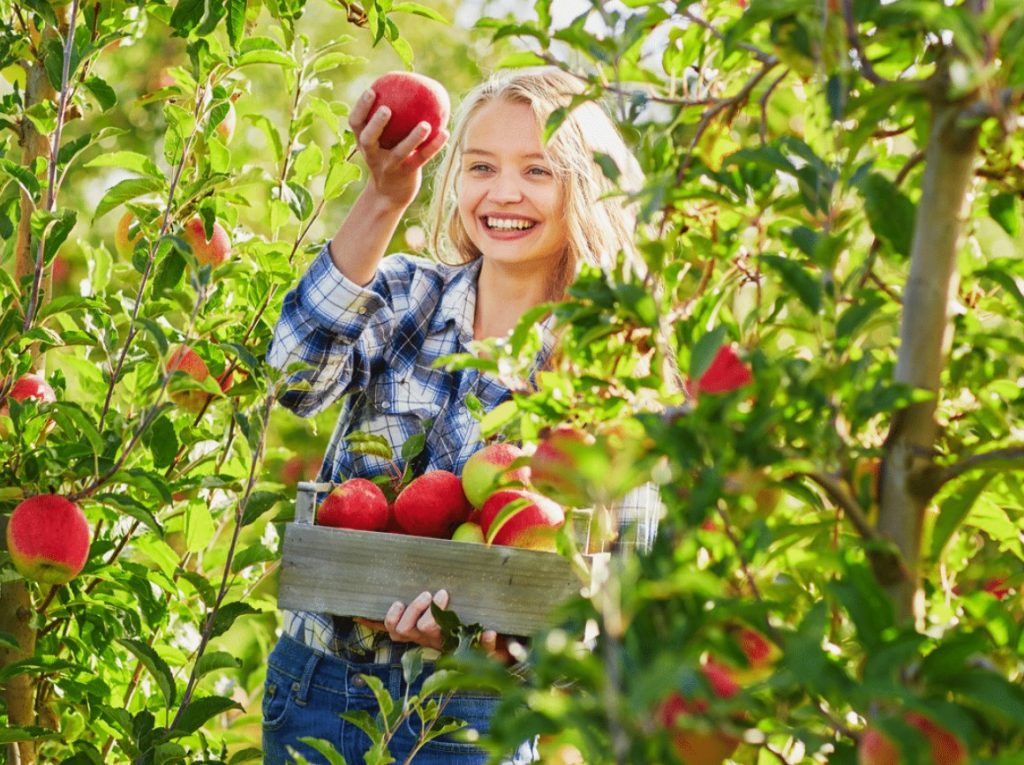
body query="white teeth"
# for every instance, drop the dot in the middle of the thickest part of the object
(508, 224)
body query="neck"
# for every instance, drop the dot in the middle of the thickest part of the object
(504, 293)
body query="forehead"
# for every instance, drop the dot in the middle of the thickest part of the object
(504, 128)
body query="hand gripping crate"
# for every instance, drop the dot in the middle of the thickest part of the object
(361, 573)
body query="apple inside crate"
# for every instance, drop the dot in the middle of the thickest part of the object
(361, 573)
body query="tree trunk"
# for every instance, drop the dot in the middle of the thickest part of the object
(906, 487)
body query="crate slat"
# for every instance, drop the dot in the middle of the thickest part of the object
(359, 573)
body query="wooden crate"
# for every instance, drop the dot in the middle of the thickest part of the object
(361, 573)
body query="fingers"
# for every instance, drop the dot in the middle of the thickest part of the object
(415, 623)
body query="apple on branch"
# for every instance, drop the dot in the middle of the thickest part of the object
(520, 518)
(490, 467)
(876, 748)
(28, 386)
(48, 539)
(212, 251)
(412, 99)
(432, 505)
(696, 741)
(357, 503)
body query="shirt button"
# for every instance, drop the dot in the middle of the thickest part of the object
(358, 681)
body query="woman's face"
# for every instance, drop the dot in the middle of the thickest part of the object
(510, 202)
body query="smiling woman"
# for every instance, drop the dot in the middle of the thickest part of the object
(515, 217)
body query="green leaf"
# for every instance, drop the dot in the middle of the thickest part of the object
(1005, 209)
(797, 278)
(890, 212)
(199, 711)
(77, 424)
(260, 502)
(128, 160)
(22, 176)
(326, 748)
(125, 190)
(199, 526)
(132, 508)
(101, 91)
(162, 441)
(156, 667)
(705, 350)
(498, 417)
(236, 22)
(211, 661)
(227, 614)
(955, 508)
(419, 10)
(413, 446)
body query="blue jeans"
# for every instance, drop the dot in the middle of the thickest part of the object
(306, 691)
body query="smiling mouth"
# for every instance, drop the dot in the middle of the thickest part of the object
(508, 224)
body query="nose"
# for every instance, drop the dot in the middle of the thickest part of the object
(505, 189)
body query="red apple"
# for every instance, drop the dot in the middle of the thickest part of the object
(412, 99)
(432, 505)
(553, 466)
(487, 467)
(726, 373)
(876, 748)
(48, 539)
(532, 526)
(212, 251)
(32, 386)
(699, 744)
(184, 359)
(124, 242)
(355, 504)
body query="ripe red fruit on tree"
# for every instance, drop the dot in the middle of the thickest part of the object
(184, 359)
(553, 466)
(32, 386)
(726, 373)
(48, 539)
(432, 505)
(489, 465)
(700, 745)
(876, 748)
(533, 526)
(212, 251)
(355, 504)
(412, 99)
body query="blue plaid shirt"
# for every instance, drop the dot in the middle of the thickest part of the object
(376, 346)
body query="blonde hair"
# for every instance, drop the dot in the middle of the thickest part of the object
(599, 225)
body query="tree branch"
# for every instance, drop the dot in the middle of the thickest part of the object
(1012, 456)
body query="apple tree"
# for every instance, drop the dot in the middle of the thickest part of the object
(823, 359)
(153, 212)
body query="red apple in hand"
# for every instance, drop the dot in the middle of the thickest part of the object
(212, 251)
(486, 467)
(355, 504)
(48, 539)
(432, 505)
(878, 749)
(412, 99)
(532, 526)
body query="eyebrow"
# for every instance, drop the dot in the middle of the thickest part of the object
(485, 153)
